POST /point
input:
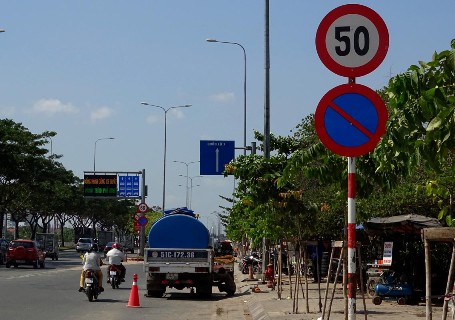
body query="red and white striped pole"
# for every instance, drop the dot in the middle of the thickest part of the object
(352, 280)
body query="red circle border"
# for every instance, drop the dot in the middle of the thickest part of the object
(323, 28)
(319, 123)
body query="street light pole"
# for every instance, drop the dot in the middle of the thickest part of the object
(191, 190)
(50, 140)
(187, 164)
(94, 152)
(165, 142)
(244, 88)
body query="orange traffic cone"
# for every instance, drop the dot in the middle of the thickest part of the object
(133, 302)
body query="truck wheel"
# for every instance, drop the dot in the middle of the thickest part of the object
(205, 290)
(155, 293)
(230, 293)
(230, 285)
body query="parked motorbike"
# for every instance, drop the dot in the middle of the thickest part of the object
(91, 285)
(114, 276)
(251, 261)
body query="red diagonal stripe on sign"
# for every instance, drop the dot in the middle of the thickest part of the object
(351, 120)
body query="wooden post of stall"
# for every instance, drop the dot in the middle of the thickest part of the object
(449, 286)
(443, 234)
(428, 280)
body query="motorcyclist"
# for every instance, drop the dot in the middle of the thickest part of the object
(92, 260)
(115, 257)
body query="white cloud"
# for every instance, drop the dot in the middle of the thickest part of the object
(153, 119)
(177, 113)
(172, 113)
(7, 112)
(52, 106)
(100, 114)
(223, 97)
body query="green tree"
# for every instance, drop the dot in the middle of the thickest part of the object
(421, 126)
(24, 164)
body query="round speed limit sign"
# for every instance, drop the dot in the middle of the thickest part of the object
(352, 40)
(142, 208)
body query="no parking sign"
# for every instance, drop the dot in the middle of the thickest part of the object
(350, 120)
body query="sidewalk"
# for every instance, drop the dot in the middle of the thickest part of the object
(265, 304)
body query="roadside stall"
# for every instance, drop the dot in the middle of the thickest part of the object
(398, 258)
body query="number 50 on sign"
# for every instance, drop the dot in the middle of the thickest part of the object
(352, 40)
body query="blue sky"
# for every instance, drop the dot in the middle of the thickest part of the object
(81, 68)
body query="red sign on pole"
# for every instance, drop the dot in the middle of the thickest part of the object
(352, 40)
(142, 208)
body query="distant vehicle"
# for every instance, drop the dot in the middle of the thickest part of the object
(108, 247)
(3, 249)
(83, 232)
(104, 237)
(49, 244)
(25, 252)
(84, 244)
(127, 243)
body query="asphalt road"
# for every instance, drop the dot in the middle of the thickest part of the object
(51, 293)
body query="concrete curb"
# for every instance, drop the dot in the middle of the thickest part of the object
(257, 311)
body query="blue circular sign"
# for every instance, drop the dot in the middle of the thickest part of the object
(142, 221)
(350, 120)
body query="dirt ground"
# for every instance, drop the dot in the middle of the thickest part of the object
(286, 307)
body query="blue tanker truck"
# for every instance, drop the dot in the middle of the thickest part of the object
(180, 255)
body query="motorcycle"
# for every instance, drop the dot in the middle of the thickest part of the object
(251, 261)
(114, 276)
(91, 285)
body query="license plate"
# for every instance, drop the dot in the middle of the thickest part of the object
(113, 273)
(88, 280)
(172, 276)
(178, 255)
(20, 261)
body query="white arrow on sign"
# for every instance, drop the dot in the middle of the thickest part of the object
(217, 159)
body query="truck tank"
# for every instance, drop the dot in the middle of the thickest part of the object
(178, 228)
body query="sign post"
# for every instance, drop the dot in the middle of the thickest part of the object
(352, 40)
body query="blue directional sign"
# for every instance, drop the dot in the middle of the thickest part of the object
(128, 186)
(214, 155)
